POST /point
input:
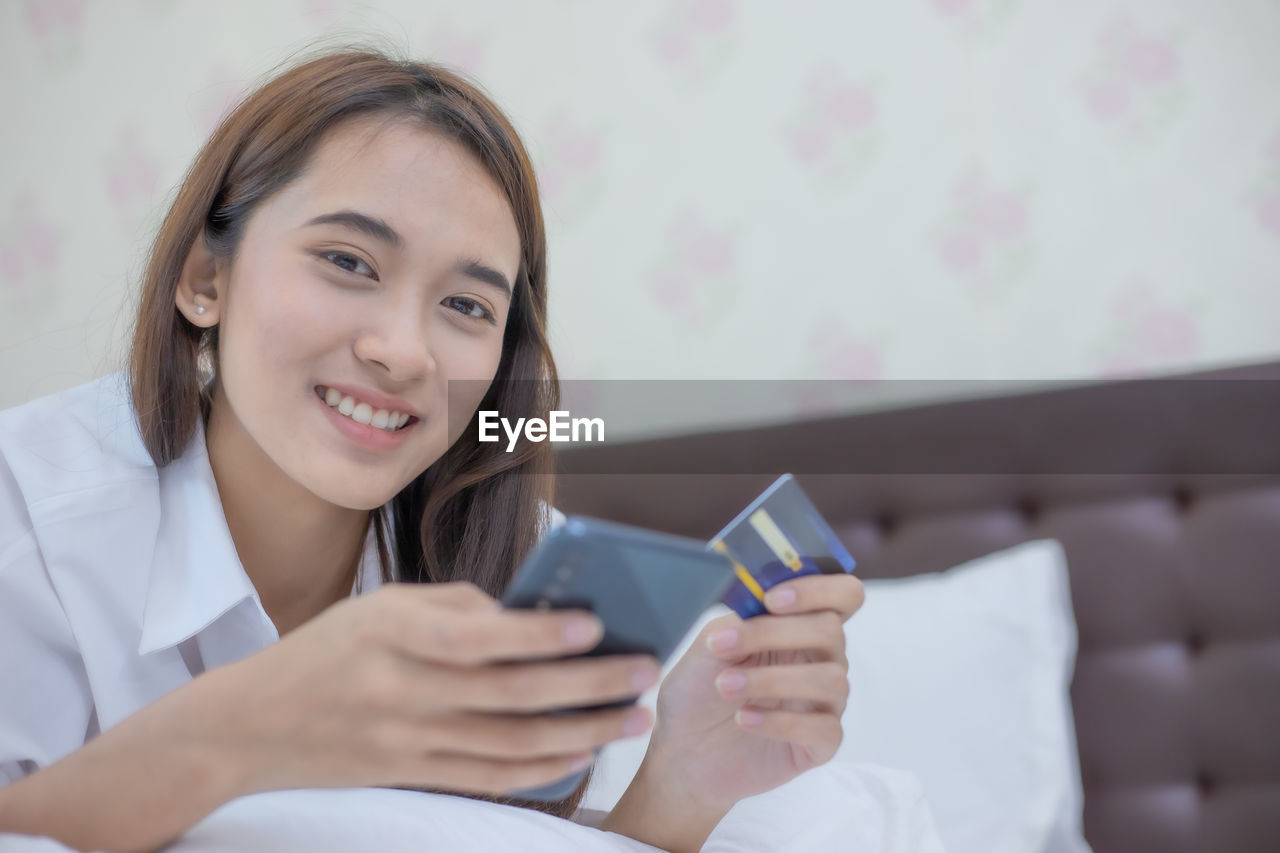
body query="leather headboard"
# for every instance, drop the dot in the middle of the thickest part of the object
(1166, 498)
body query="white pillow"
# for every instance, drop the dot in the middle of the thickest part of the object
(960, 677)
(354, 820)
(832, 809)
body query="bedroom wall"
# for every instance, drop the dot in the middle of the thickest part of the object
(976, 190)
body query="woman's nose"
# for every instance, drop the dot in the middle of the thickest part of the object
(397, 341)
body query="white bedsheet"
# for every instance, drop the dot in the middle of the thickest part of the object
(845, 807)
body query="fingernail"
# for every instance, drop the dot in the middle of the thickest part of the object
(643, 678)
(731, 681)
(748, 718)
(582, 762)
(777, 598)
(580, 631)
(635, 724)
(723, 640)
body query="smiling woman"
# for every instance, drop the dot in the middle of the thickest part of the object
(357, 234)
(365, 239)
(313, 300)
(267, 555)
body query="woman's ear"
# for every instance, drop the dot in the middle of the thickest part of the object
(200, 285)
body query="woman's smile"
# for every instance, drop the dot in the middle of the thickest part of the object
(358, 406)
(357, 421)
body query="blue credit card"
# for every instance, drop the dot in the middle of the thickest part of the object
(779, 536)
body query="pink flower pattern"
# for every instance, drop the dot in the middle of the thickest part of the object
(133, 174)
(694, 277)
(973, 15)
(1267, 203)
(693, 37)
(569, 170)
(985, 236)
(1269, 212)
(30, 252)
(839, 355)
(840, 363)
(1130, 80)
(1135, 82)
(834, 131)
(56, 27)
(1149, 333)
(49, 18)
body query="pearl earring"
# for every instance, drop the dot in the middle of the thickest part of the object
(199, 309)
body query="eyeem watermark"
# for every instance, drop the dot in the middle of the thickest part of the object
(536, 429)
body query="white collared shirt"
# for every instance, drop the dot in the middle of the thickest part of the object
(119, 582)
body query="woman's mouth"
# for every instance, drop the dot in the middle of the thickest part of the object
(363, 413)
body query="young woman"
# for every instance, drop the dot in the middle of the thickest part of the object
(265, 556)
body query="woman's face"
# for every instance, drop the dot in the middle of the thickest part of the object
(380, 274)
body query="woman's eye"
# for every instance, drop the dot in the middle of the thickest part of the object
(470, 307)
(349, 263)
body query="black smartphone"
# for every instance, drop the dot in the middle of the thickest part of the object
(648, 588)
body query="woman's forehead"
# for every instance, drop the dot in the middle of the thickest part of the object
(420, 182)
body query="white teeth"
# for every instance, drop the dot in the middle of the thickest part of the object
(365, 413)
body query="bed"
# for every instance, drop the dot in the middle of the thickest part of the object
(1161, 501)
(1165, 495)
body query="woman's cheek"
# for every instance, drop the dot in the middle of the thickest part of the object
(301, 320)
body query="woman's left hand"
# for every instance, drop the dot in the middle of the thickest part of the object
(755, 703)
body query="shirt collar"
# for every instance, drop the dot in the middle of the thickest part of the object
(196, 574)
(370, 568)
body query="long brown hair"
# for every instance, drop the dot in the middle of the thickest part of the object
(476, 512)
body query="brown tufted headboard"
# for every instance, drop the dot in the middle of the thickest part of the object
(1166, 497)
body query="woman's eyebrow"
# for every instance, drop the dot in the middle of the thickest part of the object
(362, 222)
(485, 275)
(380, 230)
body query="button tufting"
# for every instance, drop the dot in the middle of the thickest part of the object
(1204, 783)
(886, 523)
(1028, 509)
(1183, 498)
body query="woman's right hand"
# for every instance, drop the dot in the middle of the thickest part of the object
(431, 686)
(427, 686)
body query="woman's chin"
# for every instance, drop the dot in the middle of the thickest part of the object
(342, 495)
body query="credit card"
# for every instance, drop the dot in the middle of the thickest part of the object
(779, 536)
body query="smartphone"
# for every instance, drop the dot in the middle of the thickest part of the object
(648, 588)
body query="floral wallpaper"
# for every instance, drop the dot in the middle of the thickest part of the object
(734, 189)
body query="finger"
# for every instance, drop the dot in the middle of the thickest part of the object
(721, 633)
(533, 687)
(820, 732)
(842, 593)
(479, 775)
(822, 632)
(475, 637)
(535, 736)
(824, 683)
